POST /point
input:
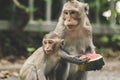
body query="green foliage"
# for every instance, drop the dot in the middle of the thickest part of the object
(98, 7)
(30, 49)
(21, 44)
(101, 50)
(49, 1)
(104, 39)
(40, 20)
(116, 38)
(17, 3)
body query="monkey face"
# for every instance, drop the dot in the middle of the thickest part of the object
(70, 19)
(70, 16)
(50, 46)
(73, 14)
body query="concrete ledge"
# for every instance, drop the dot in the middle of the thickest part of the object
(44, 26)
(49, 26)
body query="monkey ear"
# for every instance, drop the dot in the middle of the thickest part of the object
(86, 7)
(62, 43)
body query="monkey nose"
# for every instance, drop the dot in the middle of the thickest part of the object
(48, 49)
(68, 20)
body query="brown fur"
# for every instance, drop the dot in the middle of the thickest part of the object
(42, 64)
(78, 40)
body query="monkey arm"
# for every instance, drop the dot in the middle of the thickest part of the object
(73, 59)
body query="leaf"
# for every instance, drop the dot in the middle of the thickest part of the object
(104, 39)
(116, 37)
(30, 49)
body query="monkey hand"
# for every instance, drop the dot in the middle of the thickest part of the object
(83, 60)
(77, 60)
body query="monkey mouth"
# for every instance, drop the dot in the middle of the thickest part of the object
(70, 27)
(48, 52)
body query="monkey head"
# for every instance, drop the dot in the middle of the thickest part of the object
(72, 13)
(52, 43)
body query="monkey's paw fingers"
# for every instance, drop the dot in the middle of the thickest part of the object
(86, 60)
(83, 60)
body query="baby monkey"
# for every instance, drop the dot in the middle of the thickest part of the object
(42, 63)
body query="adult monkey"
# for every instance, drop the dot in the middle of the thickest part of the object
(43, 62)
(74, 27)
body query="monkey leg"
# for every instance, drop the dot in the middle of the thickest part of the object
(81, 75)
(28, 72)
(62, 70)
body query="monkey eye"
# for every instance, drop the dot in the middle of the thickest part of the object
(65, 12)
(45, 42)
(50, 42)
(72, 12)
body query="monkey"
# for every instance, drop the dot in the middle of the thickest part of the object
(42, 63)
(76, 30)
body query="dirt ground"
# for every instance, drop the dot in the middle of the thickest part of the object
(110, 71)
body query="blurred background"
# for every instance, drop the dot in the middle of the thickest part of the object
(23, 24)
